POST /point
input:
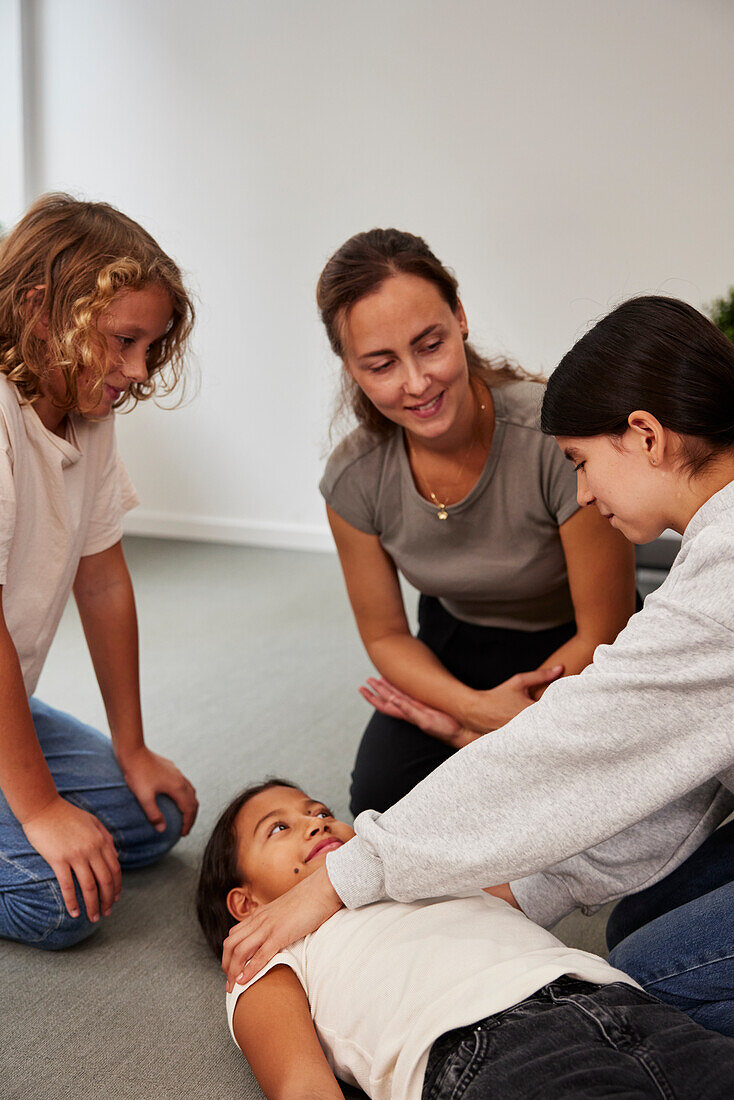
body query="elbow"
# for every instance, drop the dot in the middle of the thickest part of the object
(378, 645)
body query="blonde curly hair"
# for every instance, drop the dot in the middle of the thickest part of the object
(65, 261)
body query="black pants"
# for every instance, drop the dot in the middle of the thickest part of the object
(395, 755)
(574, 1039)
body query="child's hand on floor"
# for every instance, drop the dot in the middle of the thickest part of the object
(253, 942)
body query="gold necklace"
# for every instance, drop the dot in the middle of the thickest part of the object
(442, 505)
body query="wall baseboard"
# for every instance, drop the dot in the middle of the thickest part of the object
(280, 536)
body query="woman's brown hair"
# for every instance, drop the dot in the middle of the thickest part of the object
(359, 268)
(64, 262)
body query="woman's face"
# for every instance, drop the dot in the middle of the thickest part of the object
(404, 347)
(620, 476)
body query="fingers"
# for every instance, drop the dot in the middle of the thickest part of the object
(260, 959)
(241, 945)
(181, 792)
(88, 886)
(66, 885)
(189, 807)
(380, 704)
(185, 798)
(105, 884)
(526, 680)
(152, 810)
(113, 865)
(98, 876)
(390, 700)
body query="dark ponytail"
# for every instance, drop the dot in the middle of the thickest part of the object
(652, 353)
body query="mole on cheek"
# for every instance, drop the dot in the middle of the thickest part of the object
(295, 870)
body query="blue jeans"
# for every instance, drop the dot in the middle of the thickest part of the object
(677, 937)
(573, 1039)
(87, 774)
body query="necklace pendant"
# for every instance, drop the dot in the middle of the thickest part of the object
(442, 514)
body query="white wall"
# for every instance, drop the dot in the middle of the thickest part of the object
(12, 182)
(560, 156)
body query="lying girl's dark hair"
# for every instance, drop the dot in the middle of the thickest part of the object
(651, 353)
(359, 268)
(219, 871)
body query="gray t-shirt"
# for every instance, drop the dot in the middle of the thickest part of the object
(497, 560)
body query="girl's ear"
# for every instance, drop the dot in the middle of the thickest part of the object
(650, 434)
(240, 902)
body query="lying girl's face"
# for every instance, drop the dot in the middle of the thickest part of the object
(404, 347)
(283, 836)
(616, 474)
(133, 321)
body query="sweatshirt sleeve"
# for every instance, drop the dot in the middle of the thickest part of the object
(647, 723)
(628, 861)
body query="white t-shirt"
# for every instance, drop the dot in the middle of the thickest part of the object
(60, 500)
(384, 982)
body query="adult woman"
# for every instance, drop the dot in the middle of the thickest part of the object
(611, 780)
(449, 480)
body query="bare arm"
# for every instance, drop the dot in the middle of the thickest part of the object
(104, 595)
(274, 1030)
(601, 576)
(374, 593)
(69, 839)
(24, 775)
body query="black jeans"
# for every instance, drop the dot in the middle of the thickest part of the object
(574, 1039)
(394, 755)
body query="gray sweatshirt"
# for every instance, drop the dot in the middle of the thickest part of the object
(602, 787)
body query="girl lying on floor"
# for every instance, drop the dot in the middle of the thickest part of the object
(434, 999)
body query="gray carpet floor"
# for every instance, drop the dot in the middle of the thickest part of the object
(251, 664)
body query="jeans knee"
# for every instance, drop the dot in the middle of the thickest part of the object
(35, 914)
(144, 845)
(626, 957)
(174, 822)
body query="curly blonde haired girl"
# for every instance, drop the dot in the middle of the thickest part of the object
(94, 316)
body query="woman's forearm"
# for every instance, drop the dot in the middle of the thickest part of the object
(574, 655)
(411, 666)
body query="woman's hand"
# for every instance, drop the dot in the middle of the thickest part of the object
(388, 699)
(252, 943)
(148, 774)
(72, 840)
(493, 708)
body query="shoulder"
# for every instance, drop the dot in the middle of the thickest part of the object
(702, 575)
(284, 971)
(358, 455)
(11, 417)
(518, 404)
(357, 460)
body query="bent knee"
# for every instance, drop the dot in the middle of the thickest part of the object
(143, 844)
(174, 822)
(35, 914)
